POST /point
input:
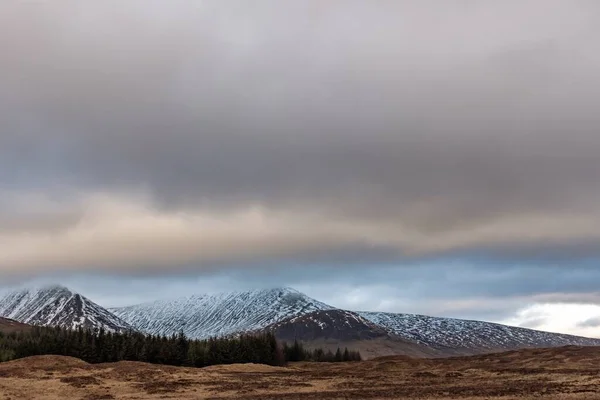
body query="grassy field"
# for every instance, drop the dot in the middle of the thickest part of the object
(563, 373)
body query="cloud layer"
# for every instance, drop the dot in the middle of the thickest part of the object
(139, 136)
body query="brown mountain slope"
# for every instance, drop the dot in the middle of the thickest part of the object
(9, 325)
(331, 329)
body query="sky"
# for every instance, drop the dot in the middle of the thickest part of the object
(403, 156)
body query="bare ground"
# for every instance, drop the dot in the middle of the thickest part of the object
(570, 373)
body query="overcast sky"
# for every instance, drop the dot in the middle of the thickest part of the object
(406, 156)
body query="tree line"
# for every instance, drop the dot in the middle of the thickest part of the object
(297, 352)
(99, 346)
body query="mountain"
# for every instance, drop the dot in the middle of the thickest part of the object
(58, 306)
(221, 314)
(286, 312)
(456, 336)
(332, 329)
(379, 334)
(292, 315)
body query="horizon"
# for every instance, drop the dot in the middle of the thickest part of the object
(398, 156)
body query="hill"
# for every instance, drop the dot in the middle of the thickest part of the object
(9, 325)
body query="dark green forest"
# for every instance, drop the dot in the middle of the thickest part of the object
(99, 346)
(297, 352)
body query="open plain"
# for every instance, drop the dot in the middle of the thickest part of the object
(561, 373)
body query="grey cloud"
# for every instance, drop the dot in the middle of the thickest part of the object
(534, 323)
(520, 295)
(590, 323)
(409, 126)
(446, 288)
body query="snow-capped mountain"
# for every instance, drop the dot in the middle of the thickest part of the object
(286, 312)
(58, 306)
(291, 314)
(332, 329)
(417, 335)
(469, 337)
(204, 316)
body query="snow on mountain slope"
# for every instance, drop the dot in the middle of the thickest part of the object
(465, 336)
(416, 335)
(58, 306)
(204, 316)
(285, 311)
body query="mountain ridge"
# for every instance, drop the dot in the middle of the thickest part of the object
(485, 336)
(202, 316)
(290, 314)
(56, 305)
(380, 334)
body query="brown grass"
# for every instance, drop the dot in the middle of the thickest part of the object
(9, 325)
(570, 373)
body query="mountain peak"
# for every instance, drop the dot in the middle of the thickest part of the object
(56, 288)
(221, 314)
(56, 305)
(45, 289)
(276, 291)
(281, 291)
(285, 289)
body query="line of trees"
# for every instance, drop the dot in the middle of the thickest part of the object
(297, 352)
(100, 346)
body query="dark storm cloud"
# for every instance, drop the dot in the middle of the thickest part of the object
(224, 131)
